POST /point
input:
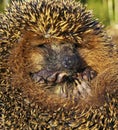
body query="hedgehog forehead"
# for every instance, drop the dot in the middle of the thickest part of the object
(54, 20)
(48, 17)
(64, 19)
(58, 20)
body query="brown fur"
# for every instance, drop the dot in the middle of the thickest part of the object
(102, 59)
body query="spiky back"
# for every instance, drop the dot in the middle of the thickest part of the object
(51, 18)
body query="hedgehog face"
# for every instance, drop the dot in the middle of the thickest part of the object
(56, 66)
(54, 58)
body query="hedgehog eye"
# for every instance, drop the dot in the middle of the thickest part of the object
(62, 43)
(41, 46)
(76, 45)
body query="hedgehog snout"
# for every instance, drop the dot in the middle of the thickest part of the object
(63, 57)
(70, 62)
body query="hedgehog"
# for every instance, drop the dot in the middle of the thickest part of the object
(59, 68)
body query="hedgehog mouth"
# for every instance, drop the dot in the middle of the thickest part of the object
(65, 84)
(45, 77)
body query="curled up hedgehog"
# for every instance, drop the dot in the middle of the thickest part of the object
(59, 69)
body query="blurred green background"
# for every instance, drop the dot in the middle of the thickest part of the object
(105, 10)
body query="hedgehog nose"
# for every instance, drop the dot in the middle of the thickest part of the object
(70, 62)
